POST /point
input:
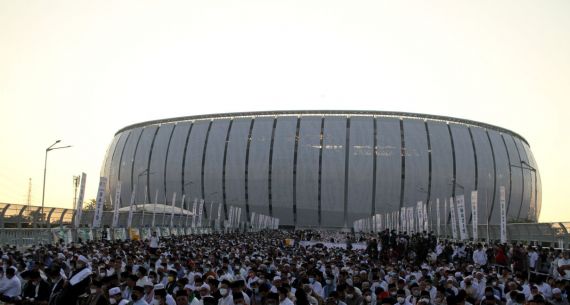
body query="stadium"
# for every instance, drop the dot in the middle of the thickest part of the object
(324, 169)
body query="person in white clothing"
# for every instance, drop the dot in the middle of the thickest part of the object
(480, 256)
(11, 287)
(153, 242)
(532, 258)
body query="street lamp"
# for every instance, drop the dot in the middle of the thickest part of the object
(50, 148)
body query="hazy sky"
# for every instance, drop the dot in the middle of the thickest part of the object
(80, 70)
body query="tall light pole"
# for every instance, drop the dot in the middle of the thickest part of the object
(50, 148)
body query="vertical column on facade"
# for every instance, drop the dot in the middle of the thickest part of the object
(403, 155)
(346, 168)
(476, 168)
(224, 201)
(298, 128)
(428, 199)
(510, 174)
(148, 163)
(246, 176)
(374, 162)
(183, 182)
(494, 175)
(320, 169)
(166, 161)
(270, 168)
(204, 164)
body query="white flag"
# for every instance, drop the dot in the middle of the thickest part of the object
(132, 203)
(474, 215)
(503, 216)
(453, 219)
(420, 209)
(238, 216)
(154, 208)
(194, 213)
(173, 205)
(426, 218)
(99, 202)
(117, 205)
(182, 210)
(200, 213)
(461, 215)
(438, 217)
(79, 206)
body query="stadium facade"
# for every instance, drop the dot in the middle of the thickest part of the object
(325, 168)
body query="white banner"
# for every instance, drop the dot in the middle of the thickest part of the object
(461, 216)
(131, 207)
(154, 208)
(503, 216)
(182, 210)
(426, 218)
(200, 212)
(219, 212)
(238, 216)
(194, 213)
(453, 219)
(117, 205)
(99, 202)
(438, 217)
(144, 205)
(79, 205)
(252, 220)
(420, 211)
(474, 215)
(445, 215)
(172, 206)
(403, 221)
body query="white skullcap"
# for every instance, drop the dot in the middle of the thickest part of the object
(114, 291)
(205, 286)
(158, 287)
(556, 290)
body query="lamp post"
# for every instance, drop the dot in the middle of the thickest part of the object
(50, 148)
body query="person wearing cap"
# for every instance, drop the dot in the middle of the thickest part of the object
(205, 297)
(557, 298)
(148, 291)
(171, 281)
(153, 243)
(137, 296)
(54, 274)
(185, 298)
(162, 296)
(116, 297)
(11, 287)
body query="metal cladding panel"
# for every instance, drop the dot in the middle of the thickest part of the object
(126, 170)
(193, 164)
(485, 172)
(527, 179)
(388, 165)
(502, 175)
(516, 178)
(360, 168)
(235, 163)
(158, 163)
(308, 171)
(258, 168)
(417, 162)
(175, 159)
(106, 171)
(282, 171)
(464, 165)
(116, 161)
(141, 163)
(332, 172)
(109, 156)
(214, 165)
(441, 166)
(536, 187)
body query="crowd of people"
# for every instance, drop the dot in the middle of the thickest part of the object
(266, 268)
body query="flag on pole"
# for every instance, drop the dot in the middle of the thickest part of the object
(173, 205)
(132, 203)
(475, 215)
(79, 205)
(194, 213)
(201, 209)
(117, 205)
(99, 202)
(182, 210)
(453, 219)
(420, 210)
(438, 217)
(426, 218)
(461, 216)
(144, 205)
(503, 216)
(154, 209)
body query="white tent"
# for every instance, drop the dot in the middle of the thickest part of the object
(160, 208)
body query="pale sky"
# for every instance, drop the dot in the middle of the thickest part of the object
(80, 70)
